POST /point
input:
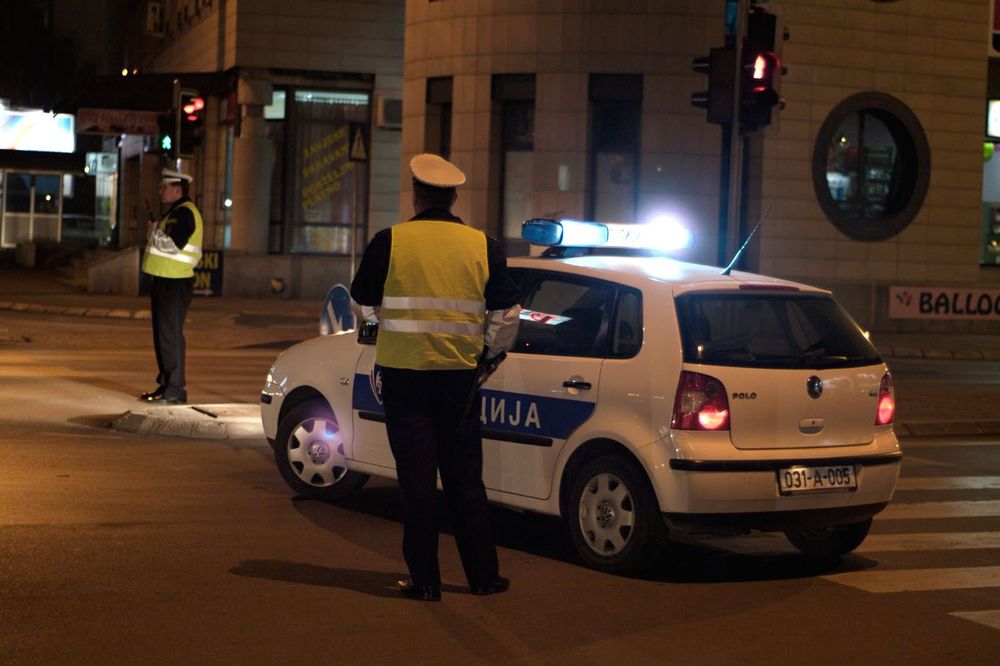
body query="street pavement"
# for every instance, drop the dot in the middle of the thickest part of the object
(924, 408)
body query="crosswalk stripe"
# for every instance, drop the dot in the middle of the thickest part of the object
(949, 483)
(912, 510)
(773, 543)
(990, 618)
(919, 580)
(885, 543)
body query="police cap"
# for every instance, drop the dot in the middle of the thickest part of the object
(435, 171)
(175, 177)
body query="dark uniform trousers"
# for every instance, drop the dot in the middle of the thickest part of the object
(422, 410)
(169, 301)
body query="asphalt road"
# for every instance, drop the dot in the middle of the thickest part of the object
(117, 549)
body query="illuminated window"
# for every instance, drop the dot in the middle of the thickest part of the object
(326, 149)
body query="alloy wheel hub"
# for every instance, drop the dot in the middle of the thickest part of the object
(319, 453)
(606, 515)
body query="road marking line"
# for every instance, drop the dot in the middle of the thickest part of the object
(909, 511)
(948, 483)
(919, 580)
(990, 618)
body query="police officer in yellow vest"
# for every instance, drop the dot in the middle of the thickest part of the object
(445, 303)
(173, 248)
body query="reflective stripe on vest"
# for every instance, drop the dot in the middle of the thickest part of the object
(180, 265)
(433, 311)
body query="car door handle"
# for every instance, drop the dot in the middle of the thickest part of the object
(577, 384)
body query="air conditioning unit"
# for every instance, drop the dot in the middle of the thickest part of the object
(388, 112)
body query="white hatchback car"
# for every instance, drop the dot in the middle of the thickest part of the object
(643, 396)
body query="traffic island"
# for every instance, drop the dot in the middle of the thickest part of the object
(219, 421)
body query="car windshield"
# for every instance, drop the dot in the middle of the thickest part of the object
(771, 331)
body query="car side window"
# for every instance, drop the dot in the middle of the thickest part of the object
(562, 315)
(627, 331)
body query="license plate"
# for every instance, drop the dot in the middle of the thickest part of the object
(800, 479)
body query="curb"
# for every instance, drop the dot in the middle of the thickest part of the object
(109, 313)
(219, 421)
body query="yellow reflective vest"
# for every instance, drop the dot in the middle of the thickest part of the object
(179, 265)
(433, 310)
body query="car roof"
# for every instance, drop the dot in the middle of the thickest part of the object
(647, 272)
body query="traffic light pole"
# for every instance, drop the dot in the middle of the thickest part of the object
(729, 234)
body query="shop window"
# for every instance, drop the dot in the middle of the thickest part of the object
(871, 166)
(437, 131)
(615, 112)
(326, 183)
(515, 94)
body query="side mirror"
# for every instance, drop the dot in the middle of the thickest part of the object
(337, 315)
(368, 333)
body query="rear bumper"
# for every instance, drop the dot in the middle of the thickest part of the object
(775, 464)
(769, 521)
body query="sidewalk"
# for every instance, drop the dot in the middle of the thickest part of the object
(925, 408)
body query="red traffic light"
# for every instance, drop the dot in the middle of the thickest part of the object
(193, 105)
(759, 66)
(762, 69)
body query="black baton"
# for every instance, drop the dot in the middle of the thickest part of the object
(484, 371)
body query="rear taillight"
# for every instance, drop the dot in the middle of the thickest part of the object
(701, 403)
(886, 401)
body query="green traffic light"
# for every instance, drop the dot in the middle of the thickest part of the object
(165, 142)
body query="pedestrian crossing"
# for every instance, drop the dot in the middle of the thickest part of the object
(898, 541)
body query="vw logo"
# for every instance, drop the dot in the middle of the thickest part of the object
(814, 387)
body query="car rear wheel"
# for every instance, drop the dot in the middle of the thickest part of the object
(310, 454)
(830, 541)
(614, 520)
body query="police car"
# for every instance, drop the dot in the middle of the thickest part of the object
(645, 396)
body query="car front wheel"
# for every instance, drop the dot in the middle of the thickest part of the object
(613, 516)
(830, 541)
(310, 454)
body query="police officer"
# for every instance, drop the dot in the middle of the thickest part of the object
(445, 303)
(173, 248)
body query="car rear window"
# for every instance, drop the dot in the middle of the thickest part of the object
(770, 331)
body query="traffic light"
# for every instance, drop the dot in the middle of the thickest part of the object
(165, 137)
(760, 72)
(190, 118)
(720, 66)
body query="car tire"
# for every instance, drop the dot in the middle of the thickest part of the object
(310, 454)
(613, 517)
(830, 541)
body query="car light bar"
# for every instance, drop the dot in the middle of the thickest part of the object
(664, 234)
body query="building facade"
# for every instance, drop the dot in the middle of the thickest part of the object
(297, 158)
(872, 172)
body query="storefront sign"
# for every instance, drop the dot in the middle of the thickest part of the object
(208, 274)
(117, 121)
(943, 303)
(27, 129)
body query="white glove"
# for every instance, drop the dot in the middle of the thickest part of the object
(501, 330)
(162, 242)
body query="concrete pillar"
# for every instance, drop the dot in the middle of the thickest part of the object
(251, 171)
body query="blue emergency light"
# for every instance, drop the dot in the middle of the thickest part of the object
(664, 234)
